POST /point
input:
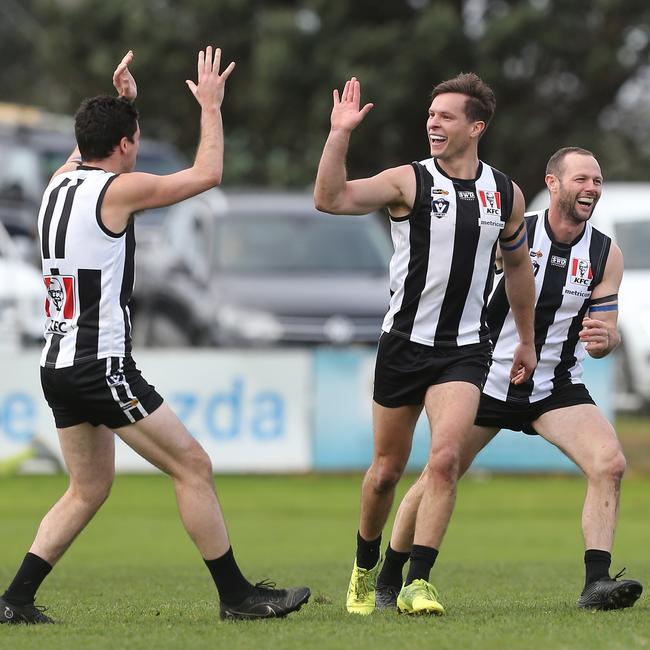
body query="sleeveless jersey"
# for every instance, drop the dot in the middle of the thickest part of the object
(442, 269)
(565, 276)
(87, 269)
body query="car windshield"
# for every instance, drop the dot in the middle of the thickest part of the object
(20, 177)
(634, 240)
(272, 243)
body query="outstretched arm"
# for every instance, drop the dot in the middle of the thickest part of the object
(520, 289)
(137, 191)
(126, 87)
(332, 191)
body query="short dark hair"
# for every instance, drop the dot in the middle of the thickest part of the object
(101, 122)
(555, 164)
(481, 102)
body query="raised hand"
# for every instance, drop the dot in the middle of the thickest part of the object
(346, 114)
(123, 79)
(210, 86)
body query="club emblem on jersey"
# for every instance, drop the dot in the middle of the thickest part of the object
(60, 295)
(490, 203)
(581, 272)
(439, 207)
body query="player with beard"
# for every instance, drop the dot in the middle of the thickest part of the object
(578, 272)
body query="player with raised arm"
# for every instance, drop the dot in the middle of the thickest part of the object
(88, 375)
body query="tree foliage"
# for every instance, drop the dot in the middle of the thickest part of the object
(563, 72)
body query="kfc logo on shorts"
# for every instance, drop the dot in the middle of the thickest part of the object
(581, 272)
(60, 296)
(490, 203)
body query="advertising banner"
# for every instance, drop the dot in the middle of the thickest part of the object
(343, 419)
(249, 409)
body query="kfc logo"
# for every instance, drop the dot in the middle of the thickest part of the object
(581, 272)
(60, 296)
(491, 203)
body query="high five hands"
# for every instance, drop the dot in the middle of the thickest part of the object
(210, 85)
(346, 114)
(123, 79)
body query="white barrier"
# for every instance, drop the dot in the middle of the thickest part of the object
(249, 409)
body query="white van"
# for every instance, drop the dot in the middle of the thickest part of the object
(623, 213)
(22, 298)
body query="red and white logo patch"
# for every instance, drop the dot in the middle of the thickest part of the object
(581, 271)
(491, 202)
(60, 295)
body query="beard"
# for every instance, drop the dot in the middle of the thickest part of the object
(567, 205)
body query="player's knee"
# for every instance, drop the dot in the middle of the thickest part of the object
(616, 466)
(610, 465)
(93, 493)
(444, 466)
(385, 475)
(197, 462)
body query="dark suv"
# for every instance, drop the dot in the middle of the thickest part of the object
(261, 267)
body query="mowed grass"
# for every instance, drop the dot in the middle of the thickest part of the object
(509, 572)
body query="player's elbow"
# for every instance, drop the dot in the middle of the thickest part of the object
(323, 203)
(213, 178)
(207, 176)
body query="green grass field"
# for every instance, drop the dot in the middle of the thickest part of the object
(509, 572)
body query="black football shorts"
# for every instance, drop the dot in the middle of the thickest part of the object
(404, 370)
(519, 417)
(104, 391)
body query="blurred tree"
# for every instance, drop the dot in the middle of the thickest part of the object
(564, 73)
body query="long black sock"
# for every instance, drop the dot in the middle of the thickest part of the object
(367, 552)
(391, 571)
(596, 565)
(31, 574)
(230, 582)
(422, 560)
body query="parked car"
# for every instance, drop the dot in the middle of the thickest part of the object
(623, 213)
(22, 297)
(262, 267)
(34, 144)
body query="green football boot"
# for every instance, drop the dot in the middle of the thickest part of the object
(420, 597)
(361, 592)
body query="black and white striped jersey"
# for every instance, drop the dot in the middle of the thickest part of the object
(442, 269)
(88, 272)
(565, 276)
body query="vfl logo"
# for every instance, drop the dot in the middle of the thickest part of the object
(581, 272)
(491, 203)
(115, 378)
(439, 207)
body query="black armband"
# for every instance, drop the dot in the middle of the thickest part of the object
(600, 301)
(515, 235)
